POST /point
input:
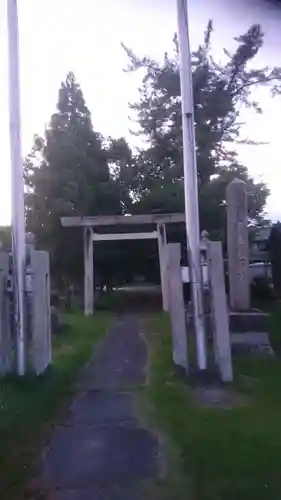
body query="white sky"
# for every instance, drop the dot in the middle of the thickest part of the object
(84, 36)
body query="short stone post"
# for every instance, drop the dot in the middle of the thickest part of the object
(41, 341)
(204, 247)
(176, 306)
(6, 344)
(238, 245)
(221, 336)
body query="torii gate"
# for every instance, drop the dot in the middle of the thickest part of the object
(157, 221)
(189, 167)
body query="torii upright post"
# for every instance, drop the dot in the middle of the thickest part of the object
(88, 272)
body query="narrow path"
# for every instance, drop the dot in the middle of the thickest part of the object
(100, 452)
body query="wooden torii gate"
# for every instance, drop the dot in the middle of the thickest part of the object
(91, 225)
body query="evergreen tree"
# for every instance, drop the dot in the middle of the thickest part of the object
(67, 174)
(220, 91)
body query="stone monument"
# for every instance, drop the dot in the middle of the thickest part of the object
(41, 342)
(238, 245)
(176, 306)
(221, 335)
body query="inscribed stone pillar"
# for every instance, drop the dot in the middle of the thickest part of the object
(221, 337)
(88, 272)
(238, 245)
(162, 246)
(41, 345)
(176, 306)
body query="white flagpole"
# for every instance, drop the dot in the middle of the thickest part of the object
(18, 217)
(190, 183)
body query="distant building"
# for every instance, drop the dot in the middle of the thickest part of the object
(259, 253)
(259, 250)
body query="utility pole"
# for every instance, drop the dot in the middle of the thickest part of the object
(190, 183)
(18, 216)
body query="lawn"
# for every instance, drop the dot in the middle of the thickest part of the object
(30, 406)
(215, 453)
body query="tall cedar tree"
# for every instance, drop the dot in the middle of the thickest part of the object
(68, 174)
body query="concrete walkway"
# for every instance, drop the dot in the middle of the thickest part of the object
(100, 451)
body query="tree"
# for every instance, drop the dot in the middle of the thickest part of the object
(5, 238)
(121, 162)
(220, 92)
(73, 171)
(274, 244)
(68, 174)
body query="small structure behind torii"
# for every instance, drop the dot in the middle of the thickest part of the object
(91, 226)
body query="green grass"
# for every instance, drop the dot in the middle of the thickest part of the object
(112, 301)
(29, 406)
(212, 453)
(130, 299)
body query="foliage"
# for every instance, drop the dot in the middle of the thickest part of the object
(275, 328)
(220, 92)
(261, 290)
(6, 238)
(274, 243)
(73, 171)
(68, 174)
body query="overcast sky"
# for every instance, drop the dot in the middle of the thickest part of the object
(84, 36)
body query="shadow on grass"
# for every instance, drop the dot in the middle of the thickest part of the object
(215, 453)
(139, 300)
(30, 405)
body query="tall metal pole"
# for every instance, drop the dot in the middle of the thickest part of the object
(190, 183)
(18, 218)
